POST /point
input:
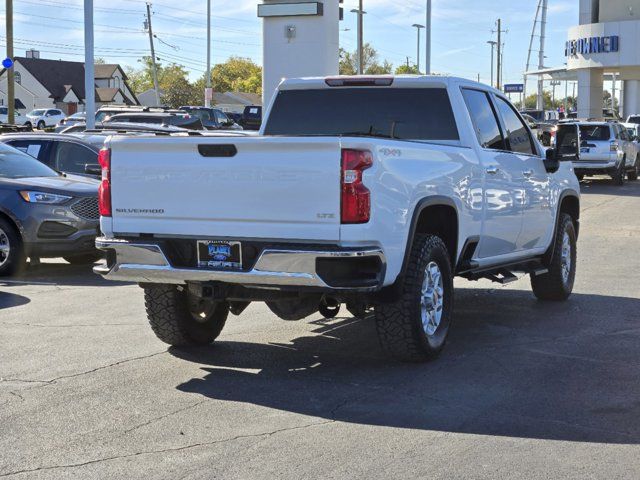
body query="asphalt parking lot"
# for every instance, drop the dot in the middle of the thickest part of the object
(523, 390)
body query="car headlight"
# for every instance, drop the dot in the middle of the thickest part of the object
(43, 197)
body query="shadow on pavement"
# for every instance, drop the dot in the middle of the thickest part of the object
(513, 367)
(604, 186)
(59, 274)
(10, 300)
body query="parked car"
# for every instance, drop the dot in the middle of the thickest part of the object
(252, 118)
(606, 148)
(105, 112)
(44, 213)
(635, 119)
(236, 117)
(42, 117)
(19, 119)
(212, 118)
(79, 117)
(542, 115)
(63, 153)
(371, 192)
(182, 119)
(544, 131)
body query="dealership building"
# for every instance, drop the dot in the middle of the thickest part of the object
(604, 47)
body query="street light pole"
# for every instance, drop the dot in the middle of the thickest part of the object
(418, 27)
(428, 60)
(89, 69)
(493, 46)
(360, 12)
(11, 93)
(207, 99)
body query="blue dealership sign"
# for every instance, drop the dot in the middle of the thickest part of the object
(514, 88)
(589, 45)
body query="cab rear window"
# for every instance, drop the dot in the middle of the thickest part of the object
(401, 113)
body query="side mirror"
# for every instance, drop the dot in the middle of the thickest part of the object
(552, 162)
(91, 169)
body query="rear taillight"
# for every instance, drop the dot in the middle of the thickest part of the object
(614, 146)
(356, 198)
(104, 190)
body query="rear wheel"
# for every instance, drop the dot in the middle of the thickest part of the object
(12, 257)
(557, 284)
(632, 175)
(619, 175)
(181, 319)
(414, 328)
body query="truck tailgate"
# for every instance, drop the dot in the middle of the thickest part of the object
(272, 188)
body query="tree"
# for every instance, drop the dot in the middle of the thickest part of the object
(349, 62)
(176, 88)
(407, 70)
(237, 75)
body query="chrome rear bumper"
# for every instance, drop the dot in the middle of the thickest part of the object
(145, 262)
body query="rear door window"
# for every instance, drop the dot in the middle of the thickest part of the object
(484, 119)
(595, 133)
(517, 133)
(401, 113)
(73, 158)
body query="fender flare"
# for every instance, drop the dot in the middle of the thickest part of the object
(565, 194)
(14, 219)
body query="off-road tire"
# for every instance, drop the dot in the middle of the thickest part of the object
(16, 260)
(632, 175)
(86, 259)
(171, 319)
(552, 286)
(399, 323)
(619, 175)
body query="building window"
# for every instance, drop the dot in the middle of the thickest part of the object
(17, 77)
(116, 82)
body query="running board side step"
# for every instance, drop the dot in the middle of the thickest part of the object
(502, 276)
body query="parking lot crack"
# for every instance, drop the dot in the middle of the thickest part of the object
(166, 450)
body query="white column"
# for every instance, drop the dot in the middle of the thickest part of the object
(631, 97)
(589, 11)
(590, 92)
(299, 46)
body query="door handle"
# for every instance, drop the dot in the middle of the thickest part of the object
(527, 173)
(492, 170)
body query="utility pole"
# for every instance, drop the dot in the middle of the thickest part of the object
(533, 34)
(613, 93)
(11, 93)
(89, 68)
(499, 79)
(428, 60)
(360, 12)
(418, 27)
(543, 29)
(554, 84)
(493, 46)
(207, 98)
(153, 55)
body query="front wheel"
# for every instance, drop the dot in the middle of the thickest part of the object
(557, 284)
(415, 327)
(181, 319)
(12, 257)
(41, 125)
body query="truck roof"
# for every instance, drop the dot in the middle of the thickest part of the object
(382, 81)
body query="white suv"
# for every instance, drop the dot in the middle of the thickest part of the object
(607, 148)
(43, 117)
(18, 120)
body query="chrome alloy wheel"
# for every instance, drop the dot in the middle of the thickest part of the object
(432, 300)
(565, 259)
(5, 247)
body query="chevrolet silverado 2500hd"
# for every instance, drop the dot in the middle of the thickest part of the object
(372, 192)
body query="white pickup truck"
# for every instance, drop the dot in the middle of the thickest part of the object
(372, 192)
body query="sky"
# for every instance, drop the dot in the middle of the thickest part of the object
(461, 29)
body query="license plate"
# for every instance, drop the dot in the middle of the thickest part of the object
(219, 254)
(585, 150)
